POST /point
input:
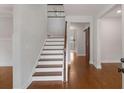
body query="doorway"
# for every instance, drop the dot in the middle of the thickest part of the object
(87, 43)
(80, 39)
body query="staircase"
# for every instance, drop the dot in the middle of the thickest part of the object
(50, 66)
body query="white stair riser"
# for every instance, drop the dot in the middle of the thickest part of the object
(53, 47)
(50, 62)
(56, 37)
(54, 43)
(48, 69)
(55, 40)
(57, 44)
(47, 78)
(52, 56)
(53, 52)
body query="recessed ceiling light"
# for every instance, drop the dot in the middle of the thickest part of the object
(118, 11)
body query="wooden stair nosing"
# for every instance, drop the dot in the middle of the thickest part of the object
(49, 66)
(47, 74)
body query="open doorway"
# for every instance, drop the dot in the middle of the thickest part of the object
(80, 39)
(87, 43)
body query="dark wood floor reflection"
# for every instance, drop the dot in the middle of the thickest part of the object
(85, 76)
(5, 77)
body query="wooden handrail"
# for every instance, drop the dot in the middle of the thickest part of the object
(65, 44)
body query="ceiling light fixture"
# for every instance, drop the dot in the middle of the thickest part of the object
(118, 11)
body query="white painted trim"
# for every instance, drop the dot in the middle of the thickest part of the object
(5, 64)
(29, 81)
(91, 62)
(86, 27)
(97, 66)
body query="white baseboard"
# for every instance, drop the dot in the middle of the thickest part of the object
(5, 64)
(91, 62)
(29, 81)
(97, 66)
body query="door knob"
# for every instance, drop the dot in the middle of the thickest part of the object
(122, 60)
(121, 70)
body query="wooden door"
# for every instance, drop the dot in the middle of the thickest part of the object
(87, 43)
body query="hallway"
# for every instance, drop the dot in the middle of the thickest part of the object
(84, 76)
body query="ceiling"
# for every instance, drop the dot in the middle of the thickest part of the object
(79, 25)
(113, 13)
(84, 9)
(70, 9)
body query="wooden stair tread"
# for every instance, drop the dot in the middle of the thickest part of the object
(50, 60)
(47, 74)
(49, 66)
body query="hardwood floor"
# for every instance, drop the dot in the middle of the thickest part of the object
(85, 76)
(5, 77)
(81, 76)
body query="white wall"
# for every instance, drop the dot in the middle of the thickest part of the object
(56, 26)
(80, 43)
(30, 23)
(6, 30)
(6, 52)
(110, 36)
(6, 27)
(122, 34)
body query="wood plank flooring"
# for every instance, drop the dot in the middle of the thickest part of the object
(85, 76)
(5, 77)
(81, 76)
